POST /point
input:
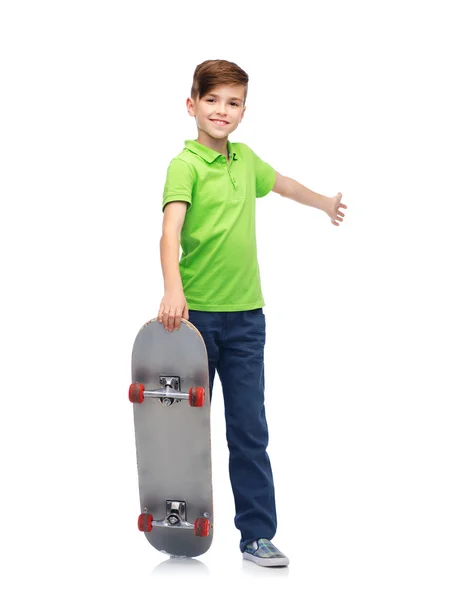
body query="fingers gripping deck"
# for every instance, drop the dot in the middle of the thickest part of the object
(172, 437)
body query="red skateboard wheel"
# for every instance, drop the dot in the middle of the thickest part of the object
(145, 522)
(136, 392)
(197, 396)
(202, 527)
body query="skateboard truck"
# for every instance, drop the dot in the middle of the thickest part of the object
(168, 394)
(176, 512)
(170, 384)
(175, 517)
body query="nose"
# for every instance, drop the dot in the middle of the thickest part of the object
(221, 109)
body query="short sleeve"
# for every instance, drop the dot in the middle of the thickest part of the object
(179, 182)
(265, 176)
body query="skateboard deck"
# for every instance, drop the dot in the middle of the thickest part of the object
(171, 401)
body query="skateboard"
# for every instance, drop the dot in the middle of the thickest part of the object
(171, 401)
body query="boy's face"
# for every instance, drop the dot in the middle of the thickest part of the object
(218, 112)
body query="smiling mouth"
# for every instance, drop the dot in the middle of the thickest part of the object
(219, 122)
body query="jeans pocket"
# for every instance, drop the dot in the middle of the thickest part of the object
(200, 320)
(260, 322)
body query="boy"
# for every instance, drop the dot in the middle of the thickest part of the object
(209, 209)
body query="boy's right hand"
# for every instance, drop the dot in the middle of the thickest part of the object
(172, 308)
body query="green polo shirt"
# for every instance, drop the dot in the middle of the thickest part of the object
(219, 265)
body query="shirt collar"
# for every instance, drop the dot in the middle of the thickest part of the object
(206, 153)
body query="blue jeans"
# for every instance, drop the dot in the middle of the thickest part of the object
(235, 346)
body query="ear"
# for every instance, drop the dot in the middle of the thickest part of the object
(242, 113)
(190, 107)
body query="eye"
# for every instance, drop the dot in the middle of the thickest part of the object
(235, 103)
(210, 99)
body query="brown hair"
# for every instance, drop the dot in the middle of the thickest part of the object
(211, 73)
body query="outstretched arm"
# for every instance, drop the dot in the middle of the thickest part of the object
(289, 188)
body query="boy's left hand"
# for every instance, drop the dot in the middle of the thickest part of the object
(333, 210)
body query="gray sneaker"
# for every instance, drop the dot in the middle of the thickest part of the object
(264, 553)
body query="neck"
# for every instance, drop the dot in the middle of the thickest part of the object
(219, 145)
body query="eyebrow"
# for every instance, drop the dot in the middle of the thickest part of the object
(233, 98)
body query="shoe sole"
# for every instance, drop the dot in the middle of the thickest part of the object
(266, 562)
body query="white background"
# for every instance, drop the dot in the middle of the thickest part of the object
(362, 327)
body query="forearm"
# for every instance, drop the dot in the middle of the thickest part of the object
(298, 192)
(170, 254)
